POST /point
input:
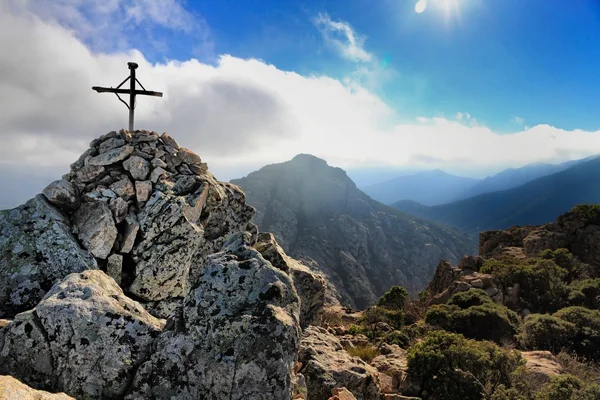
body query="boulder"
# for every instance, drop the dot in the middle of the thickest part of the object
(392, 362)
(85, 338)
(94, 225)
(137, 167)
(123, 188)
(169, 140)
(143, 190)
(341, 394)
(36, 250)
(188, 156)
(12, 389)
(311, 287)
(164, 255)
(541, 366)
(63, 195)
(112, 156)
(326, 366)
(236, 336)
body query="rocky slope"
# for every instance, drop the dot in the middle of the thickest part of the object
(138, 231)
(318, 215)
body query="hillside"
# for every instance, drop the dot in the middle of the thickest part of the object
(427, 187)
(514, 177)
(537, 202)
(317, 214)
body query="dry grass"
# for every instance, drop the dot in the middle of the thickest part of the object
(587, 371)
(366, 353)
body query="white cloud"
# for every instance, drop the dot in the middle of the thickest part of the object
(343, 38)
(518, 120)
(238, 114)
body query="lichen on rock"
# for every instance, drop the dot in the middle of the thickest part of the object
(236, 336)
(85, 338)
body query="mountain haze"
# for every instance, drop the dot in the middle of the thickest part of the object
(426, 187)
(514, 177)
(537, 202)
(318, 215)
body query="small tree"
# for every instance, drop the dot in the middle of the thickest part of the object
(394, 298)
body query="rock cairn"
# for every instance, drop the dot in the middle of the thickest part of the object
(149, 211)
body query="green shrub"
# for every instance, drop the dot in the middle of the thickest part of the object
(449, 366)
(568, 387)
(585, 293)
(574, 329)
(353, 330)
(367, 353)
(546, 332)
(394, 299)
(372, 316)
(474, 314)
(399, 338)
(542, 286)
(589, 212)
(504, 393)
(587, 337)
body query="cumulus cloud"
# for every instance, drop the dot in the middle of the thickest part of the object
(343, 38)
(237, 114)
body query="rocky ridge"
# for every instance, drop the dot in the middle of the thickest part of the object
(318, 215)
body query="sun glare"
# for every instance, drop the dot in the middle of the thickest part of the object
(446, 5)
(420, 6)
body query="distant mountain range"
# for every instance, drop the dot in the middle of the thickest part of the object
(319, 215)
(437, 187)
(427, 187)
(536, 202)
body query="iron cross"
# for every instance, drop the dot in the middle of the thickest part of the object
(132, 92)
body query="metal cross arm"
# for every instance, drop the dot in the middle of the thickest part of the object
(126, 91)
(132, 91)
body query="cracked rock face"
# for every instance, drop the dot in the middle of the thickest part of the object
(36, 250)
(236, 336)
(311, 287)
(84, 338)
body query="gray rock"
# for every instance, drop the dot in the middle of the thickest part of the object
(137, 167)
(108, 193)
(93, 223)
(112, 156)
(156, 174)
(157, 162)
(119, 208)
(123, 188)
(81, 161)
(89, 173)
(198, 169)
(326, 365)
(184, 184)
(144, 136)
(12, 389)
(85, 338)
(169, 141)
(36, 250)
(131, 230)
(114, 267)
(236, 338)
(164, 256)
(188, 156)
(110, 144)
(143, 189)
(310, 286)
(172, 162)
(63, 195)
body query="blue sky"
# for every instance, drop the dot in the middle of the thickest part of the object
(538, 60)
(472, 89)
